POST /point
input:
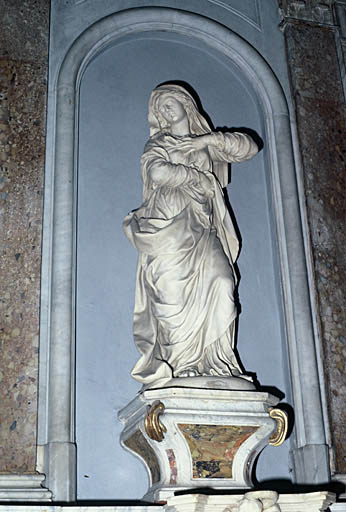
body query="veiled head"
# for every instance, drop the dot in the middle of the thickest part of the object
(160, 123)
(172, 110)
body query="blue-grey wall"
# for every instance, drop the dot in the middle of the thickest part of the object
(113, 130)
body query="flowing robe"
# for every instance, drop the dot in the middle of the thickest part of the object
(184, 308)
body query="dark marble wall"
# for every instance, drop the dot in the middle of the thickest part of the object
(320, 111)
(24, 28)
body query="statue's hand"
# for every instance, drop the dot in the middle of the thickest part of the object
(189, 144)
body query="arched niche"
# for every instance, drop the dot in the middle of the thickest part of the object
(57, 449)
(113, 129)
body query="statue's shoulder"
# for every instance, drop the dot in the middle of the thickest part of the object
(156, 141)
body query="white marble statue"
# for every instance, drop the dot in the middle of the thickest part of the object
(184, 308)
(257, 501)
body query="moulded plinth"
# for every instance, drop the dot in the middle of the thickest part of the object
(194, 438)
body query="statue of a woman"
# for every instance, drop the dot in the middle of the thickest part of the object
(184, 308)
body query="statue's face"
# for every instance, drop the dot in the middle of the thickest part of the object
(171, 110)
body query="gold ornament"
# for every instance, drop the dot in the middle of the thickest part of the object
(153, 426)
(281, 418)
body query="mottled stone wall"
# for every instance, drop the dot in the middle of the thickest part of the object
(24, 29)
(321, 115)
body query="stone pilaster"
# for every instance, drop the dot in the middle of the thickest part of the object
(24, 30)
(317, 89)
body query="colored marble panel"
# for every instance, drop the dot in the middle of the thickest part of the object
(213, 447)
(138, 444)
(173, 466)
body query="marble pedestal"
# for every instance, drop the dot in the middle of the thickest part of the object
(191, 438)
(258, 501)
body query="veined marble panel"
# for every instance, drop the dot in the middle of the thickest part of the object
(213, 447)
(139, 445)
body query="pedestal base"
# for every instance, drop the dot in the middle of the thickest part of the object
(260, 501)
(197, 438)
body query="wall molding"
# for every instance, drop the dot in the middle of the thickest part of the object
(255, 22)
(57, 377)
(23, 488)
(313, 11)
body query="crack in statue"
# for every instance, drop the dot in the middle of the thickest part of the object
(185, 312)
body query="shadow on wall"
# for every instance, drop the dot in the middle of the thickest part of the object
(282, 486)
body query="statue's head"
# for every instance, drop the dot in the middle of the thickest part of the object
(182, 102)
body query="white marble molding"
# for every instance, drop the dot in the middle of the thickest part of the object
(310, 502)
(57, 450)
(23, 488)
(338, 507)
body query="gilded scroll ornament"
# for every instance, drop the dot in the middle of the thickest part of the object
(153, 426)
(281, 418)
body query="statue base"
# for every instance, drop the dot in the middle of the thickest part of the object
(242, 383)
(257, 501)
(191, 438)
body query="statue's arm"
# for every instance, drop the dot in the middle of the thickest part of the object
(232, 147)
(164, 173)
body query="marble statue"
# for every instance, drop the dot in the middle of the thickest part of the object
(184, 308)
(257, 501)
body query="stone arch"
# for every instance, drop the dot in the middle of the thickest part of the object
(57, 451)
